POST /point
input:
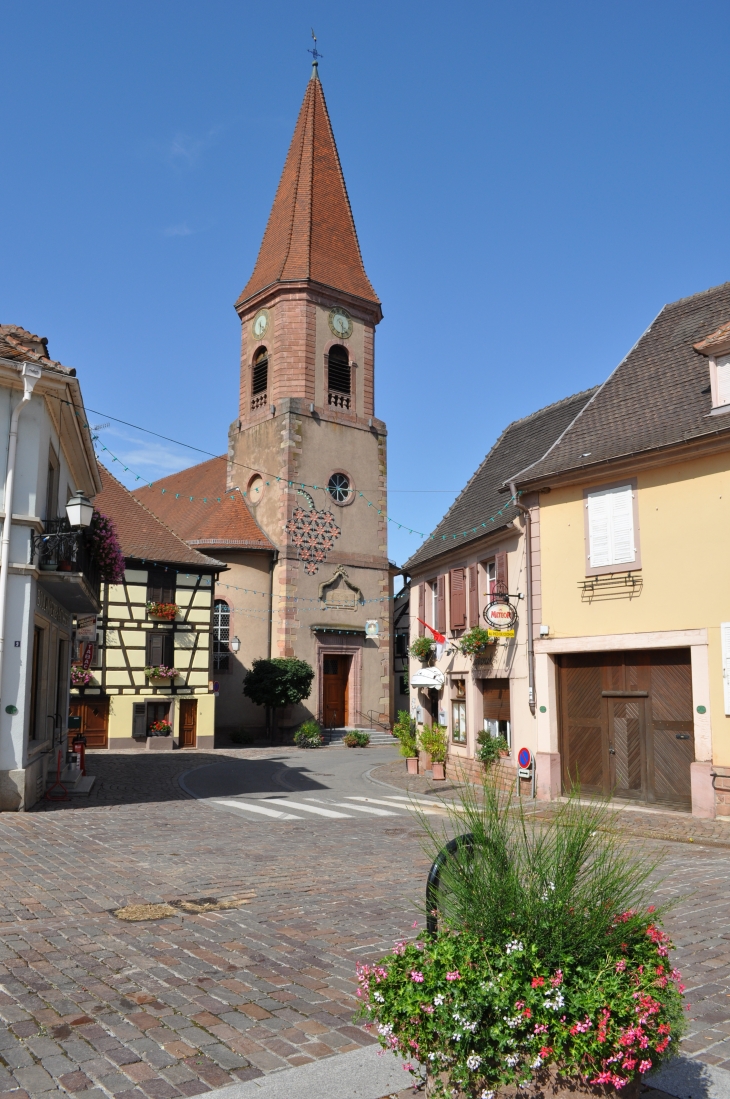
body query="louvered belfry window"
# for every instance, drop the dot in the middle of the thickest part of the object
(260, 372)
(338, 370)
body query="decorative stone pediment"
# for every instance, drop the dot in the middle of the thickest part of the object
(339, 592)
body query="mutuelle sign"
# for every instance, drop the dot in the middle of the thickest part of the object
(501, 618)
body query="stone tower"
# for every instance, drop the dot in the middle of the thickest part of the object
(307, 449)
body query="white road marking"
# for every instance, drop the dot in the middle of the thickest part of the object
(413, 808)
(416, 801)
(314, 809)
(361, 808)
(246, 805)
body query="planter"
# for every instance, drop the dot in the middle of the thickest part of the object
(439, 771)
(161, 617)
(160, 680)
(412, 765)
(65, 566)
(549, 1086)
(48, 566)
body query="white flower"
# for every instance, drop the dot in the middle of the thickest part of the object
(438, 1000)
(487, 1095)
(470, 1026)
(514, 1021)
(514, 946)
(377, 996)
(456, 1037)
(512, 1059)
(556, 1002)
(536, 1063)
(473, 1062)
(385, 1029)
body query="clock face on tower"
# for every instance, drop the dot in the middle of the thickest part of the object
(260, 323)
(340, 323)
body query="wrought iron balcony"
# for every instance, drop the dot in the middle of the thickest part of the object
(68, 571)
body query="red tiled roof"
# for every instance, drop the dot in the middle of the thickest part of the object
(311, 232)
(20, 344)
(141, 534)
(228, 523)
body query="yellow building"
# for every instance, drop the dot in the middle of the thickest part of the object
(123, 706)
(630, 514)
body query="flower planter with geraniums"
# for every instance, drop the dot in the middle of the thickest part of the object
(548, 970)
(160, 728)
(80, 677)
(161, 675)
(162, 612)
(423, 649)
(477, 642)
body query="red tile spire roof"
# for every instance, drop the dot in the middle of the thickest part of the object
(310, 234)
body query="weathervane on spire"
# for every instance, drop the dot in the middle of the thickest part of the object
(315, 52)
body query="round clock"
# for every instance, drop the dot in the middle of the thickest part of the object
(340, 323)
(260, 323)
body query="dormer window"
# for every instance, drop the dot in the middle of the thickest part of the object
(716, 348)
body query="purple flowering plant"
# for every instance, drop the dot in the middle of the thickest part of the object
(105, 549)
(80, 677)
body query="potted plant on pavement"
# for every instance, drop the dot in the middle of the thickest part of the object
(490, 748)
(308, 735)
(438, 743)
(549, 968)
(356, 739)
(422, 648)
(406, 731)
(161, 675)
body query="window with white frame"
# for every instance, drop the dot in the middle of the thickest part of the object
(610, 527)
(221, 635)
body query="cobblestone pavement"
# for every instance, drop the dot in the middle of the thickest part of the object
(98, 1007)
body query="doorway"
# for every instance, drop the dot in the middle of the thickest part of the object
(335, 677)
(626, 725)
(94, 714)
(188, 722)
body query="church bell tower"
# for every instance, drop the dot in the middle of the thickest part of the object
(307, 448)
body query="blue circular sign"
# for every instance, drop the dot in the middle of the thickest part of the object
(524, 758)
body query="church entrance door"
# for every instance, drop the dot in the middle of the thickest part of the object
(335, 674)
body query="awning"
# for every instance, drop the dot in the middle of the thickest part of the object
(428, 677)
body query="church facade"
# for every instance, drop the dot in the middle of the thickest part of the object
(306, 456)
(306, 447)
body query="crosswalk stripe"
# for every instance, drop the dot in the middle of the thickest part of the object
(246, 805)
(413, 808)
(416, 801)
(314, 809)
(363, 808)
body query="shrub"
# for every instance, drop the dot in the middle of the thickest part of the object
(278, 682)
(308, 735)
(406, 730)
(434, 739)
(548, 956)
(240, 736)
(476, 641)
(422, 648)
(355, 739)
(490, 748)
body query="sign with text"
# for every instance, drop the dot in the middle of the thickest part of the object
(500, 615)
(86, 627)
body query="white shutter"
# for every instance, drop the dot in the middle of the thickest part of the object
(725, 640)
(599, 548)
(622, 508)
(723, 380)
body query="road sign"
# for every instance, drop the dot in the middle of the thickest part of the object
(524, 758)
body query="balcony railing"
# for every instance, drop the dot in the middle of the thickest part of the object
(339, 400)
(258, 401)
(68, 571)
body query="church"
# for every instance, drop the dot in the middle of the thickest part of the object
(296, 509)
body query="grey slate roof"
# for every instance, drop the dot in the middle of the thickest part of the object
(524, 441)
(657, 396)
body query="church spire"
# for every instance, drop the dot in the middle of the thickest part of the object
(310, 234)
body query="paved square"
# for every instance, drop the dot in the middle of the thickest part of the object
(101, 1007)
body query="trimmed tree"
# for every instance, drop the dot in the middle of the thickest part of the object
(278, 682)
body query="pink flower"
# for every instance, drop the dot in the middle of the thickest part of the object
(540, 1028)
(620, 966)
(644, 1066)
(416, 976)
(557, 979)
(415, 923)
(455, 976)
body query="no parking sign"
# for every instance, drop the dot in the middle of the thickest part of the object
(524, 759)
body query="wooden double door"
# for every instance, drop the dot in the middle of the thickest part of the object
(626, 725)
(94, 714)
(335, 677)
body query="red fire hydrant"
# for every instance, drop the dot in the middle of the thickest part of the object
(79, 745)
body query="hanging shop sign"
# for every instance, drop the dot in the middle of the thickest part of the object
(372, 627)
(86, 627)
(501, 618)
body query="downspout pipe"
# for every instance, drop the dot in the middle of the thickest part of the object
(30, 375)
(530, 625)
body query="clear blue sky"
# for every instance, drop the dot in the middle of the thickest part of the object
(531, 182)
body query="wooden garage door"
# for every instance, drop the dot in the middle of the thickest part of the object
(626, 724)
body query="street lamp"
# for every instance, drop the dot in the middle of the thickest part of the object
(79, 510)
(235, 644)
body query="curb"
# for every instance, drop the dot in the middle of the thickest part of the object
(361, 1074)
